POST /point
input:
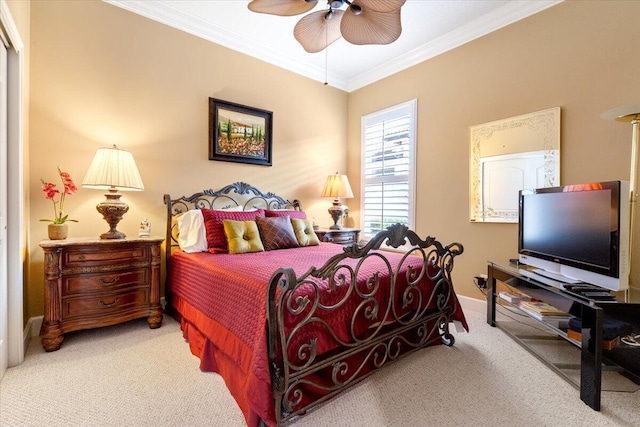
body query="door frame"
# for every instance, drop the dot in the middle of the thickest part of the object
(16, 232)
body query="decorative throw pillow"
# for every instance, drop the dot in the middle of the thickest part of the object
(191, 232)
(304, 232)
(277, 233)
(285, 212)
(216, 239)
(242, 236)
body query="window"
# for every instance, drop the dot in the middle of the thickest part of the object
(388, 168)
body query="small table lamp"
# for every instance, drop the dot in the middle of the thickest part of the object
(113, 169)
(337, 186)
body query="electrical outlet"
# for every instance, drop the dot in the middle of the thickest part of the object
(481, 281)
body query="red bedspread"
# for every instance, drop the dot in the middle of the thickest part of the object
(220, 301)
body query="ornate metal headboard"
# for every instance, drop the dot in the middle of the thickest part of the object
(237, 194)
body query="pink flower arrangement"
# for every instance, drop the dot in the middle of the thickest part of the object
(50, 193)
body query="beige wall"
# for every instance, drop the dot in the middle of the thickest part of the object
(101, 75)
(578, 55)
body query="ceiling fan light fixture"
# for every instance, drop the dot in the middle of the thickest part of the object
(355, 9)
(368, 21)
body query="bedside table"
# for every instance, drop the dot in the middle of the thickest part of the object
(92, 282)
(344, 236)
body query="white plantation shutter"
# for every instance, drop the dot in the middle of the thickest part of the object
(388, 168)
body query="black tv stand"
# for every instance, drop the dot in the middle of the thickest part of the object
(592, 313)
(555, 276)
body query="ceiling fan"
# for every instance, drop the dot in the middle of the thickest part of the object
(363, 21)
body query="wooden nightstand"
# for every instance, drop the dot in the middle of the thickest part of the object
(90, 283)
(344, 236)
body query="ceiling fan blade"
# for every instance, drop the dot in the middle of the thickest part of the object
(281, 7)
(371, 27)
(315, 33)
(380, 5)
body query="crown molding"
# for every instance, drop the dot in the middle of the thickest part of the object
(508, 14)
(169, 15)
(10, 36)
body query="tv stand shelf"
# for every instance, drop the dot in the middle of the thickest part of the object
(590, 357)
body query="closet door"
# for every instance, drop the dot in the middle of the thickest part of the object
(3, 211)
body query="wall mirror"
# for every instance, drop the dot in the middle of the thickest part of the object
(509, 155)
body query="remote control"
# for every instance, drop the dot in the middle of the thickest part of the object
(596, 294)
(582, 288)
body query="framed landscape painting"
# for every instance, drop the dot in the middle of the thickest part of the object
(238, 133)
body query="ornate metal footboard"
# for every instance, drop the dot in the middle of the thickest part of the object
(387, 314)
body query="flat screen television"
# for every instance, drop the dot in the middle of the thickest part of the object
(577, 232)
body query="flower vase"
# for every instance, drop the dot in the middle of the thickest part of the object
(58, 231)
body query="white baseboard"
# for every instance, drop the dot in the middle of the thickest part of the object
(32, 329)
(473, 304)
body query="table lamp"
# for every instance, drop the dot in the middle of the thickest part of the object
(113, 169)
(337, 186)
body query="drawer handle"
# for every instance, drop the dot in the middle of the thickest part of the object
(110, 282)
(104, 304)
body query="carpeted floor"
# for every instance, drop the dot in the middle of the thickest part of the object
(130, 375)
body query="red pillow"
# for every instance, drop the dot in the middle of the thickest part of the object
(216, 239)
(285, 212)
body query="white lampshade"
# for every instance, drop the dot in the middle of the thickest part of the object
(337, 186)
(113, 168)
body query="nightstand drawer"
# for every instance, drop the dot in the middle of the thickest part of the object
(90, 283)
(341, 239)
(106, 304)
(343, 236)
(90, 258)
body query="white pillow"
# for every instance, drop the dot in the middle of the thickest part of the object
(231, 209)
(192, 235)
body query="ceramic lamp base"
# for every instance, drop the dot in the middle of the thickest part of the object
(336, 211)
(112, 209)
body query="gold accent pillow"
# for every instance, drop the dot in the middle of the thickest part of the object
(304, 232)
(242, 236)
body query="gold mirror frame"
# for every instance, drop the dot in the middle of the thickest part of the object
(513, 138)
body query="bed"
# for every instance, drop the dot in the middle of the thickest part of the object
(293, 324)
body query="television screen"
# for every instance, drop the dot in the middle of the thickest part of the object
(576, 226)
(584, 227)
